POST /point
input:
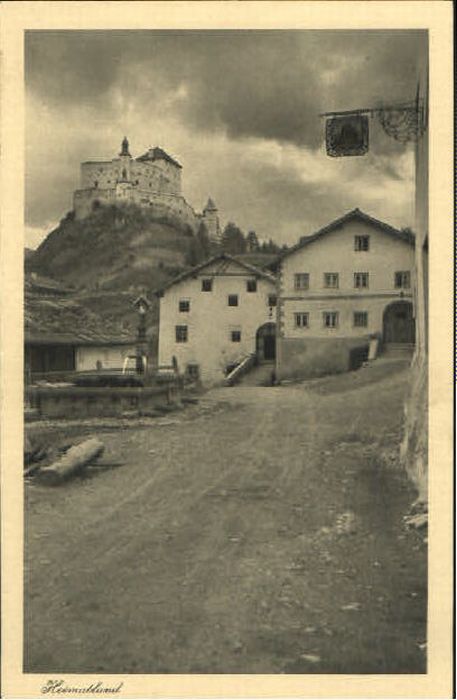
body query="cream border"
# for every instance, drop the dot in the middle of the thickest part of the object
(437, 17)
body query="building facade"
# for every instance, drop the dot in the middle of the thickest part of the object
(152, 180)
(215, 315)
(338, 287)
(414, 452)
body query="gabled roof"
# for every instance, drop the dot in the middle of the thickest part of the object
(222, 257)
(158, 153)
(405, 236)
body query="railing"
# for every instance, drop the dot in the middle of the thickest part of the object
(242, 368)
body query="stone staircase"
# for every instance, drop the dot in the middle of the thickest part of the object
(244, 366)
(259, 375)
(398, 350)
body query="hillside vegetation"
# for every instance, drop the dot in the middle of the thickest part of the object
(116, 253)
(116, 247)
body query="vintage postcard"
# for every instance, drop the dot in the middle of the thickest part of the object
(226, 349)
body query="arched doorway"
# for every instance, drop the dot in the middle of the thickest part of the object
(265, 342)
(398, 323)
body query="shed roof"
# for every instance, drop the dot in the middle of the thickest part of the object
(64, 321)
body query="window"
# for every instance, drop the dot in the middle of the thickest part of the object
(233, 299)
(403, 280)
(272, 300)
(361, 280)
(301, 280)
(235, 336)
(251, 285)
(207, 285)
(360, 319)
(181, 334)
(302, 320)
(361, 243)
(184, 305)
(330, 319)
(331, 280)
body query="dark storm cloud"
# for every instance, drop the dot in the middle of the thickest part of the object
(249, 100)
(280, 205)
(266, 84)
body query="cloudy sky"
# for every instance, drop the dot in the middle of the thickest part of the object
(239, 110)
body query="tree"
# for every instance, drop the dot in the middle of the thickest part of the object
(199, 247)
(193, 255)
(203, 241)
(252, 242)
(233, 240)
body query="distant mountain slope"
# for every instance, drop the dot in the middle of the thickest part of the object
(122, 246)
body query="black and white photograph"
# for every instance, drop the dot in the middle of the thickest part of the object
(225, 352)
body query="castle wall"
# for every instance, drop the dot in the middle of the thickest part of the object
(83, 200)
(154, 176)
(166, 204)
(163, 204)
(102, 175)
(149, 183)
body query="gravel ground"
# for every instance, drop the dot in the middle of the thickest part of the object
(258, 532)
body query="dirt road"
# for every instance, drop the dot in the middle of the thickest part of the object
(259, 532)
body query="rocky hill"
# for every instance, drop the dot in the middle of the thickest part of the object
(102, 263)
(120, 247)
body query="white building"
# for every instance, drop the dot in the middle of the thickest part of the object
(216, 314)
(351, 279)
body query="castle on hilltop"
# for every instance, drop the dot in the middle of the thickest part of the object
(151, 180)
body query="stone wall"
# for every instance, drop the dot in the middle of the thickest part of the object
(83, 200)
(85, 402)
(162, 204)
(300, 358)
(151, 176)
(414, 449)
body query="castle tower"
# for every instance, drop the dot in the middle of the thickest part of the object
(211, 220)
(125, 147)
(125, 158)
